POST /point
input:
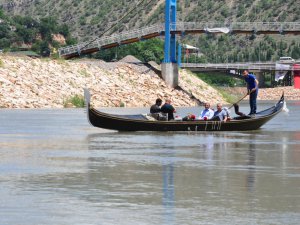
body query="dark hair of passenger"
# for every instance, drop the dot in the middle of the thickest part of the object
(158, 101)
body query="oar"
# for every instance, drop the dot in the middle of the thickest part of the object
(238, 101)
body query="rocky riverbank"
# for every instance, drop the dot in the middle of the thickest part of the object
(46, 83)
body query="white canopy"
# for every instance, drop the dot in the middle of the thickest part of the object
(186, 46)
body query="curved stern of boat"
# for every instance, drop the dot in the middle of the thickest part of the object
(87, 103)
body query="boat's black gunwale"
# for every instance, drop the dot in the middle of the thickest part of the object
(98, 116)
(115, 117)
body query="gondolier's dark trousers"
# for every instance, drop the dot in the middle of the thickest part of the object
(252, 100)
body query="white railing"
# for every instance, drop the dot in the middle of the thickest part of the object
(237, 66)
(115, 38)
(258, 26)
(180, 26)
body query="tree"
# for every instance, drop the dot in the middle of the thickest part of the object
(149, 50)
(47, 27)
(296, 52)
(4, 30)
(4, 43)
(27, 35)
(44, 49)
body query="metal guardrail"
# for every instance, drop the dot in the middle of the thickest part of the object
(181, 27)
(251, 26)
(115, 38)
(237, 66)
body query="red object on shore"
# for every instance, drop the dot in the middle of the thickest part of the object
(296, 76)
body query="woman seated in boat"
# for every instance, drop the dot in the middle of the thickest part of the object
(207, 113)
(169, 109)
(220, 114)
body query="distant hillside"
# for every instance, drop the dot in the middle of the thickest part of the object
(88, 19)
(26, 33)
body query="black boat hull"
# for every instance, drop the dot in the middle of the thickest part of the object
(122, 123)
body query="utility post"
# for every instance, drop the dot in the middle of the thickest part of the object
(169, 65)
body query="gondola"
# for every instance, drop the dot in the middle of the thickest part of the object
(142, 123)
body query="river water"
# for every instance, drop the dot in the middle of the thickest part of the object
(57, 169)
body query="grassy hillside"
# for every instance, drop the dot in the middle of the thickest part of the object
(88, 19)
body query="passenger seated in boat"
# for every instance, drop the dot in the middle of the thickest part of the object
(155, 109)
(220, 114)
(207, 113)
(169, 109)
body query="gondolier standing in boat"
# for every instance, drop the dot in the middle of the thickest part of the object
(252, 88)
(169, 109)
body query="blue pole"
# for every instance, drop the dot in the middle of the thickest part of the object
(173, 36)
(167, 32)
(170, 40)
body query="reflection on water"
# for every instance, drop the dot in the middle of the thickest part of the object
(67, 172)
(251, 166)
(168, 191)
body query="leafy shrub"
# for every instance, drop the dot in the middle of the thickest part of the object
(77, 101)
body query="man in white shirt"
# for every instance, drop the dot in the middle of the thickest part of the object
(207, 113)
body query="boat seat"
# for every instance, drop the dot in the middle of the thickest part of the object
(158, 116)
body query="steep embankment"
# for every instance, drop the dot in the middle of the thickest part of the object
(45, 83)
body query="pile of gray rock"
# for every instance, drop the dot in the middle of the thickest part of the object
(47, 83)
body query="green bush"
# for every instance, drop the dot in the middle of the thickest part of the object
(219, 79)
(148, 50)
(77, 101)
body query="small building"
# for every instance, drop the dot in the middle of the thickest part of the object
(191, 50)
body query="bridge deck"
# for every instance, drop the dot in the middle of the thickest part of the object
(181, 29)
(254, 66)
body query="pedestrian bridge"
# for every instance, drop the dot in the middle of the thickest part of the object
(253, 66)
(181, 28)
(279, 70)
